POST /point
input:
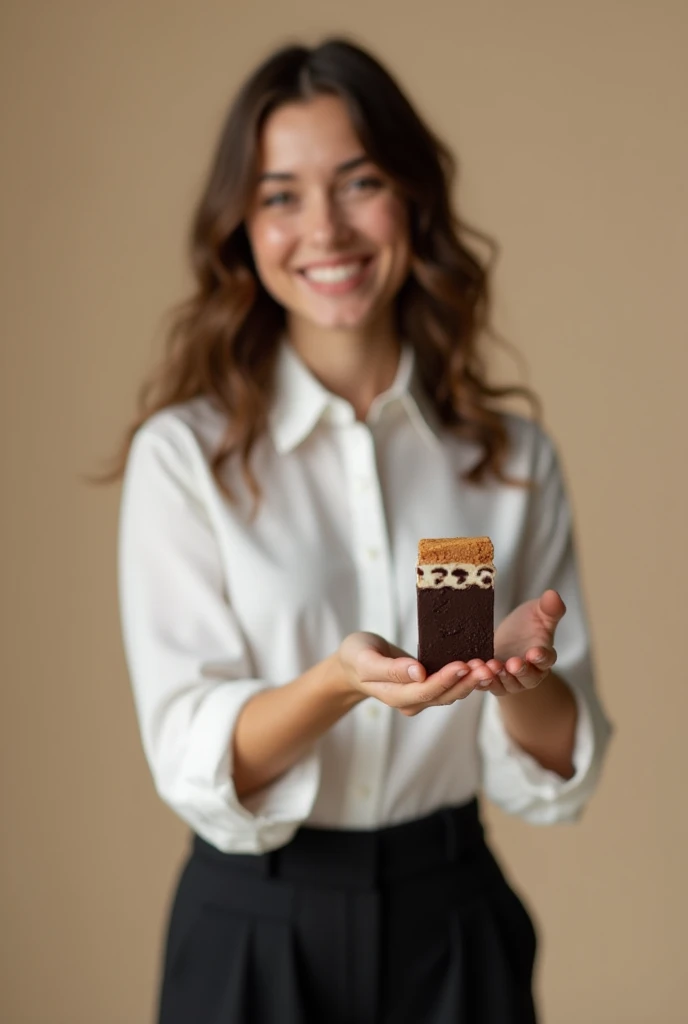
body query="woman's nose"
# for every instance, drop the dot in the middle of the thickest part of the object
(325, 222)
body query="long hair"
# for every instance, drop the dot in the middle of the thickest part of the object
(223, 340)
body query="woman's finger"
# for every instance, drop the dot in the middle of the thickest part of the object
(433, 689)
(481, 680)
(510, 681)
(373, 666)
(483, 677)
(552, 609)
(520, 674)
(497, 688)
(407, 693)
(542, 658)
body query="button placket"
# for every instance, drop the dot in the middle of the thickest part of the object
(376, 615)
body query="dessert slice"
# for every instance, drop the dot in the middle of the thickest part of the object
(455, 587)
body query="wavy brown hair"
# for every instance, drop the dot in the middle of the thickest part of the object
(223, 340)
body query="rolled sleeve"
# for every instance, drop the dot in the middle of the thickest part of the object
(521, 786)
(190, 670)
(512, 778)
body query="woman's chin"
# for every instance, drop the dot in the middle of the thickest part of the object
(338, 319)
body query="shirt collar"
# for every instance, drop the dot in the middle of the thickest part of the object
(301, 401)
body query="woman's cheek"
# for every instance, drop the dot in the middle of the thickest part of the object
(272, 243)
(387, 222)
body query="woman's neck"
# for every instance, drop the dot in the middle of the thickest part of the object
(356, 364)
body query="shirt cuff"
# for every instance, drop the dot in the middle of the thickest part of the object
(516, 782)
(202, 792)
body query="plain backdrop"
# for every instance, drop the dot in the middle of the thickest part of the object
(569, 121)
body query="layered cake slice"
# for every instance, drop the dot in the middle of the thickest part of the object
(455, 587)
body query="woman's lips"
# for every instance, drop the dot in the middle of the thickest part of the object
(338, 278)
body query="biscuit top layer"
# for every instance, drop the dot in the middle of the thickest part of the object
(442, 550)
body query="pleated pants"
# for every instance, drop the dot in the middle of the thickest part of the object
(411, 924)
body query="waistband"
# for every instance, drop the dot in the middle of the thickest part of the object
(347, 857)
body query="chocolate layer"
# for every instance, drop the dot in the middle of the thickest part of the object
(454, 625)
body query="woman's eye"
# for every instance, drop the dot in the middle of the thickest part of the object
(278, 199)
(364, 184)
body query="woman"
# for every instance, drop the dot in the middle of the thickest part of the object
(322, 407)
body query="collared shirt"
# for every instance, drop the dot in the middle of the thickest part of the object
(217, 605)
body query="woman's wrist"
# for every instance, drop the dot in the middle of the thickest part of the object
(542, 721)
(336, 683)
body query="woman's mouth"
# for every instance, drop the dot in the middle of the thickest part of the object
(339, 278)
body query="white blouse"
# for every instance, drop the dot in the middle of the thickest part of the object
(217, 606)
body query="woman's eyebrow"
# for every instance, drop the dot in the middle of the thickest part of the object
(348, 165)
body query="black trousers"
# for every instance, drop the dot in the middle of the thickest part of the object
(411, 924)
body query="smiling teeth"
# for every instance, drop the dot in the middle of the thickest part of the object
(333, 275)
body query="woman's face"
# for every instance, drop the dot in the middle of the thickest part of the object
(329, 232)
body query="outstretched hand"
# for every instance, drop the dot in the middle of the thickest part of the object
(524, 643)
(376, 668)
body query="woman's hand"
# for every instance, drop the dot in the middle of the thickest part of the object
(524, 644)
(376, 668)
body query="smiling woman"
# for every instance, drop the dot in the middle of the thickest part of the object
(321, 406)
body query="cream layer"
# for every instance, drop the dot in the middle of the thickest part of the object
(457, 575)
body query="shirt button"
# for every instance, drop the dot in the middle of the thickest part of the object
(363, 790)
(373, 711)
(372, 553)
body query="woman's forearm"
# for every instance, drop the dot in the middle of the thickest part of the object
(278, 726)
(542, 721)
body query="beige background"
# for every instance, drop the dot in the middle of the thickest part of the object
(570, 121)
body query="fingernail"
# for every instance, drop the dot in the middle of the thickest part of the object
(503, 674)
(539, 660)
(484, 683)
(462, 673)
(414, 673)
